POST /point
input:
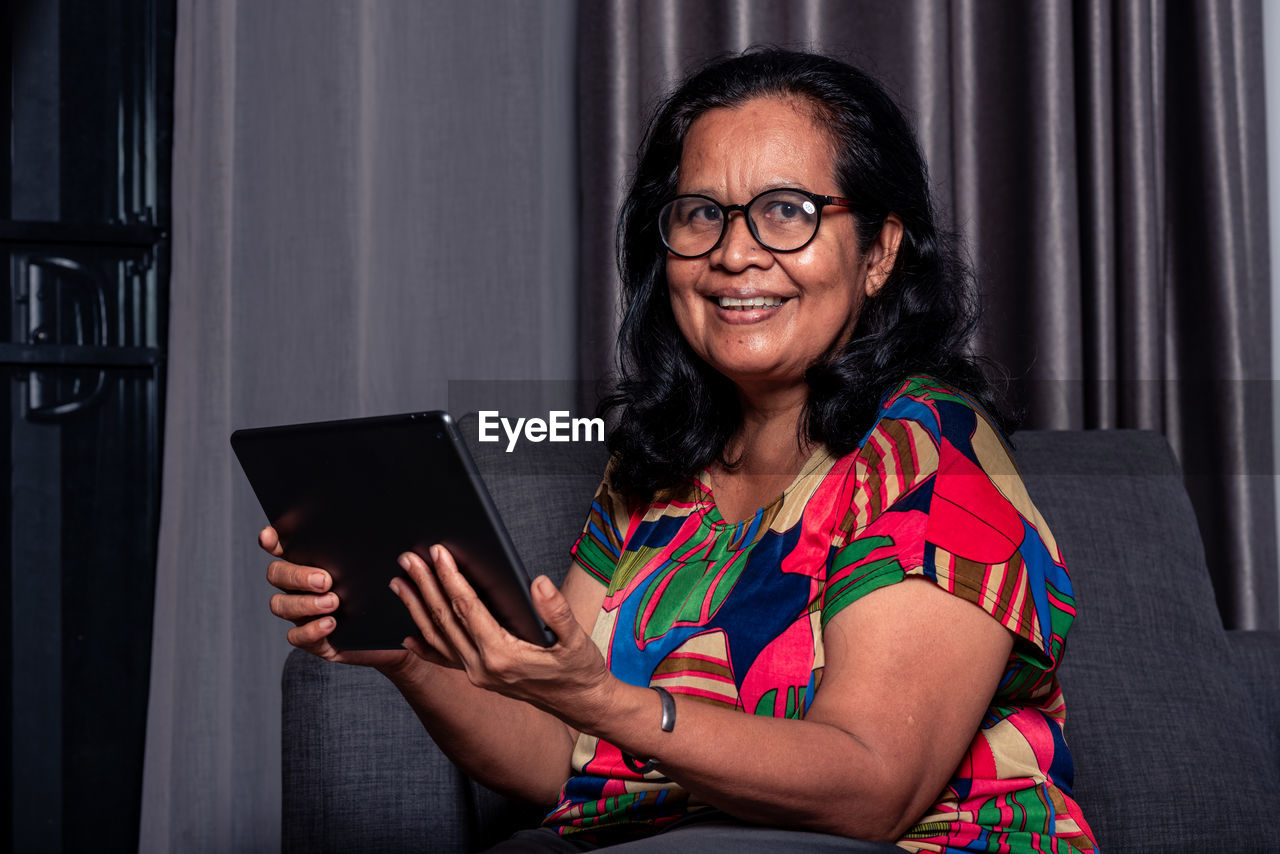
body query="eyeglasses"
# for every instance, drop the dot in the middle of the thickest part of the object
(782, 220)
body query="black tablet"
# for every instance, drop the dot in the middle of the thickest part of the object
(352, 496)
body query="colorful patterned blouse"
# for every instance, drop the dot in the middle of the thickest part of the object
(733, 614)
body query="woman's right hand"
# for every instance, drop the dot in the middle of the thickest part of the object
(306, 600)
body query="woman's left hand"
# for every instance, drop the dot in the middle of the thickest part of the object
(569, 679)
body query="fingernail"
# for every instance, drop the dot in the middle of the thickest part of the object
(325, 601)
(395, 588)
(327, 623)
(404, 562)
(434, 551)
(545, 587)
(316, 580)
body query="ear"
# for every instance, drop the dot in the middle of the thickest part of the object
(882, 254)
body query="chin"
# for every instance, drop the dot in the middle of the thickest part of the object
(749, 375)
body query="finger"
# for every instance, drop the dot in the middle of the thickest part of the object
(412, 600)
(302, 606)
(462, 600)
(293, 577)
(269, 541)
(430, 611)
(554, 608)
(313, 636)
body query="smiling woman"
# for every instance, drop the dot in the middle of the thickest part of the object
(731, 130)
(812, 607)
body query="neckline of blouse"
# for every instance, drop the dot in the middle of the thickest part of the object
(711, 511)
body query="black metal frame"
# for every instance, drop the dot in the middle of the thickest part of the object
(114, 209)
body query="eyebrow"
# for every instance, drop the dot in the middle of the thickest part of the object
(773, 185)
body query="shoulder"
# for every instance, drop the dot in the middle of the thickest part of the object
(933, 491)
(933, 440)
(619, 522)
(601, 542)
(922, 428)
(946, 413)
(952, 498)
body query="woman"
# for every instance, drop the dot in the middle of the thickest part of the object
(812, 603)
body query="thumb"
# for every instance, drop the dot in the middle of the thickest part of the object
(553, 607)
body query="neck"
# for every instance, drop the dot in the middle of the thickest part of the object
(769, 440)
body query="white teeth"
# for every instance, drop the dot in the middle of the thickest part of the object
(750, 302)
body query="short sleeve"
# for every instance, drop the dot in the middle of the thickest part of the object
(599, 547)
(935, 493)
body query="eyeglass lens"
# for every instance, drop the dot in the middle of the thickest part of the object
(782, 220)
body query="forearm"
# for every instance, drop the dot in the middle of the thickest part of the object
(766, 770)
(504, 744)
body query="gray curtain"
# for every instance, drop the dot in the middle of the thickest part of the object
(374, 211)
(1105, 162)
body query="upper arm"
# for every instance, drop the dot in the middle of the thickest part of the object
(595, 553)
(939, 565)
(585, 595)
(910, 671)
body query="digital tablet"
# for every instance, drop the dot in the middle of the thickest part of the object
(352, 496)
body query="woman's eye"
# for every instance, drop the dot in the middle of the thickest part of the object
(783, 211)
(704, 214)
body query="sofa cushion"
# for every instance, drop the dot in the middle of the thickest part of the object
(1169, 753)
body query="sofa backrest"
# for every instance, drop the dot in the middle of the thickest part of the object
(1169, 753)
(543, 491)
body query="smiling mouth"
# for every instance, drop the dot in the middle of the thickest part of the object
(749, 302)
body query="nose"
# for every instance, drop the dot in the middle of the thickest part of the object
(738, 248)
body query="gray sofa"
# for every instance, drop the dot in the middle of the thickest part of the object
(1174, 723)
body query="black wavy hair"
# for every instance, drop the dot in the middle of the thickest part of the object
(673, 414)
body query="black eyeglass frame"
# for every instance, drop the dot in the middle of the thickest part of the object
(818, 199)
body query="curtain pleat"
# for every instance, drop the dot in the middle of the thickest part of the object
(1103, 160)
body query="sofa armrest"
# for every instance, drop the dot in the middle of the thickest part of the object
(361, 774)
(1257, 656)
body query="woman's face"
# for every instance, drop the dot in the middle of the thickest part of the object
(813, 295)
